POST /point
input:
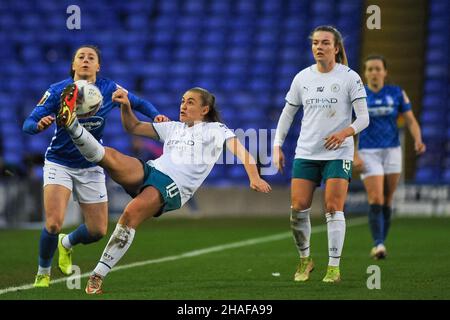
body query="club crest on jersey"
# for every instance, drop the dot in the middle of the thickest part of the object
(335, 87)
(44, 98)
(389, 100)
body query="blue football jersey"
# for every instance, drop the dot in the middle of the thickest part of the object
(61, 149)
(384, 109)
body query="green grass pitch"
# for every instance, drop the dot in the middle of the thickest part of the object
(417, 266)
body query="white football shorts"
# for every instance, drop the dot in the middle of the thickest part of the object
(379, 162)
(88, 185)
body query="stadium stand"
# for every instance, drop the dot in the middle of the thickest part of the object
(246, 52)
(434, 166)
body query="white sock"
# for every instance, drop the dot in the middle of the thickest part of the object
(42, 270)
(336, 235)
(301, 229)
(88, 146)
(66, 242)
(118, 244)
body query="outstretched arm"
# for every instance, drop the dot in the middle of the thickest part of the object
(256, 183)
(130, 122)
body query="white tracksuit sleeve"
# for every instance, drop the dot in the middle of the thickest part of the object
(362, 115)
(286, 118)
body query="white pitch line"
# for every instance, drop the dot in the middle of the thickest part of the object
(195, 253)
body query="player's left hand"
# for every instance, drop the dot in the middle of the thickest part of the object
(419, 147)
(260, 185)
(334, 141)
(161, 118)
(121, 96)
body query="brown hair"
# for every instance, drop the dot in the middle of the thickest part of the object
(93, 47)
(375, 57)
(208, 99)
(341, 56)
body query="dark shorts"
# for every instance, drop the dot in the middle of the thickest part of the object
(164, 184)
(321, 170)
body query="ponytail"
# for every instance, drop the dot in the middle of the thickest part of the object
(208, 99)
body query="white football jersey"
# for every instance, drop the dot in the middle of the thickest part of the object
(189, 153)
(326, 99)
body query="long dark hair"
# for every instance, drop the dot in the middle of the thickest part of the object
(208, 99)
(341, 56)
(93, 47)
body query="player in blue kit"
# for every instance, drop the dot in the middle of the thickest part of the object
(66, 171)
(379, 158)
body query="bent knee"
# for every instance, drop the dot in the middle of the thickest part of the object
(97, 233)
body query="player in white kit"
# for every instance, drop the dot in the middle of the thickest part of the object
(327, 91)
(191, 148)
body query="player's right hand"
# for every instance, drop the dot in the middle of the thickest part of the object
(278, 158)
(419, 147)
(45, 122)
(121, 96)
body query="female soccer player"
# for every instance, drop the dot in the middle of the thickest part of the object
(380, 157)
(66, 171)
(191, 147)
(327, 91)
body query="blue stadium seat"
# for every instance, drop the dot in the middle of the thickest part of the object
(428, 175)
(439, 8)
(217, 39)
(168, 7)
(238, 54)
(193, 7)
(433, 117)
(183, 69)
(434, 87)
(446, 176)
(235, 69)
(437, 25)
(211, 53)
(241, 40)
(435, 102)
(14, 158)
(180, 85)
(209, 82)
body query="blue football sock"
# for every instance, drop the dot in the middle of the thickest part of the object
(82, 235)
(387, 212)
(376, 223)
(47, 247)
